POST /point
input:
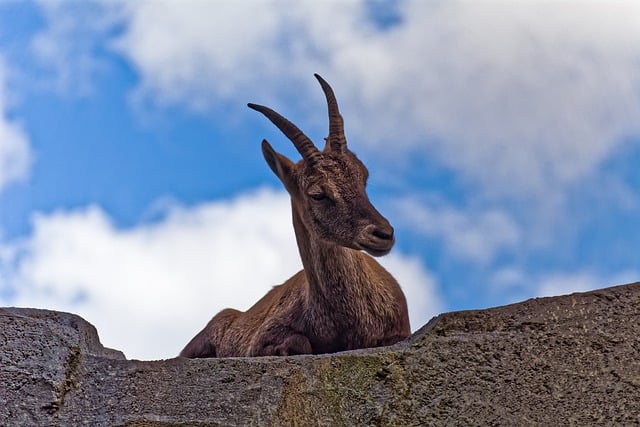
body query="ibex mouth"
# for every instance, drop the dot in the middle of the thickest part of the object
(377, 242)
(377, 252)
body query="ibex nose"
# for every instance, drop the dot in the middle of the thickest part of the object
(383, 233)
(377, 239)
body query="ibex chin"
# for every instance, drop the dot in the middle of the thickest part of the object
(342, 299)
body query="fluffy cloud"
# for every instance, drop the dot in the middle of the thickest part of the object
(476, 237)
(516, 284)
(522, 98)
(581, 281)
(15, 152)
(150, 288)
(67, 49)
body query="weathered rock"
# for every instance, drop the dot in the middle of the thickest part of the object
(570, 360)
(40, 351)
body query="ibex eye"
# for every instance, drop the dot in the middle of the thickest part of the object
(318, 196)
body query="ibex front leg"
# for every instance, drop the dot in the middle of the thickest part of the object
(281, 343)
(206, 343)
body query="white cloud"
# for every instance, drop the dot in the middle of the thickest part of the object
(198, 52)
(468, 235)
(202, 54)
(67, 49)
(521, 98)
(581, 281)
(418, 285)
(15, 151)
(518, 284)
(149, 289)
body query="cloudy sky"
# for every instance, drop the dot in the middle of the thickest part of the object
(502, 139)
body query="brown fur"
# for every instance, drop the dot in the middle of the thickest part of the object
(342, 299)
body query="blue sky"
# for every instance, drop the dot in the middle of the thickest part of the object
(502, 142)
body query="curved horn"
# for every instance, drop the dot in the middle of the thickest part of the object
(336, 139)
(302, 143)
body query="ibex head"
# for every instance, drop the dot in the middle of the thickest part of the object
(327, 187)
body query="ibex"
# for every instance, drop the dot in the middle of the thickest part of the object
(342, 299)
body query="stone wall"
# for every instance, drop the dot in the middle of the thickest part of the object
(569, 360)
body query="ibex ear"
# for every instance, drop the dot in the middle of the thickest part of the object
(279, 164)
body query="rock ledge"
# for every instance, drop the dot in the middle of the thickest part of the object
(569, 360)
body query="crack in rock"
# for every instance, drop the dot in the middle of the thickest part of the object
(69, 382)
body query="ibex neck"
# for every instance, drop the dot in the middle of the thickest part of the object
(329, 268)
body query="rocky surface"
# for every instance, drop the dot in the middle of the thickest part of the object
(570, 360)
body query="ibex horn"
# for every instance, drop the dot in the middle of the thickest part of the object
(302, 143)
(336, 139)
